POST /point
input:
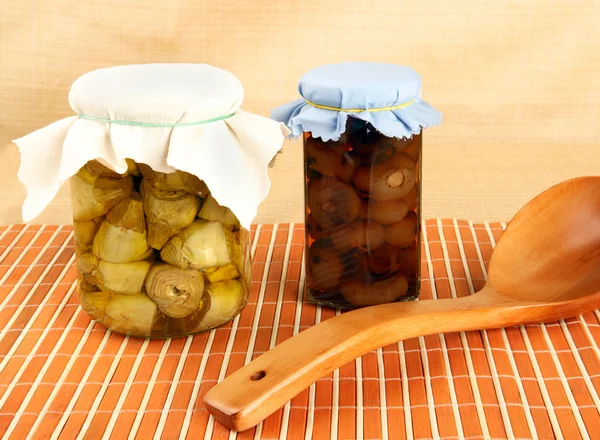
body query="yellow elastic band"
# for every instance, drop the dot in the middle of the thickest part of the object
(358, 110)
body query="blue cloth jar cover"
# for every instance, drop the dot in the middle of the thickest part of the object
(388, 96)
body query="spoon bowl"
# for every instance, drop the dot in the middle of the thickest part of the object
(550, 251)
(545, 267)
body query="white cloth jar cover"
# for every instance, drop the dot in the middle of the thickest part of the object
(171, 117)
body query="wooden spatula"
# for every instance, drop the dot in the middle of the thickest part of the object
(545, 267)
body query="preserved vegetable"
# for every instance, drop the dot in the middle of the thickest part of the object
(157, 256)
(362, 217)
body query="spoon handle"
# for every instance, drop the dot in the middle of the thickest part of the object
(258, 389)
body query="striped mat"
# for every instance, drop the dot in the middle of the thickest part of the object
(63, 376)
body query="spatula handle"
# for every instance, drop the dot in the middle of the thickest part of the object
(255, 391)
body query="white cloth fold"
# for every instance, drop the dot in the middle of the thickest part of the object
(231, 155)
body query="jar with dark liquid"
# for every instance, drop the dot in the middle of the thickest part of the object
(363, 204)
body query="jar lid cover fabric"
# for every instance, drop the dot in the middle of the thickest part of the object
(386, 95)
(171, 117)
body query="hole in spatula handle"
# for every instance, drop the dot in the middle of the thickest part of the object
(258, 375)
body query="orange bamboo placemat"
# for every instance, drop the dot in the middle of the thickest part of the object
(64, 376)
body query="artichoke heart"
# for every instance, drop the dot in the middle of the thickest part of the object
(184, 326)
(178, 293)
(241, 253)
(212, 211)
(84, 232)
(164, 195)
(176, 181)
(122, 236)
(95, 168)
(94, 303)
(199, 246)
(166, 217)
(84, 286)
(124, 278)
(226, 300)
(132, 168)
(227, 272)
(131, 314)
(86, 267)
(94, 196)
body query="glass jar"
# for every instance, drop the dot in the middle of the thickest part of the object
(362, 125)
(363, 217)
(157, 256)
(166, 176)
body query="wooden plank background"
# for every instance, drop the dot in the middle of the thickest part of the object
(517, 80)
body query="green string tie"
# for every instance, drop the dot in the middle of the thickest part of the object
(150, 124)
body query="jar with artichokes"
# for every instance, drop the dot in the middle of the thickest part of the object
(166, 174)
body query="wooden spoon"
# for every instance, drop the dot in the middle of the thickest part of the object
(545, 267)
